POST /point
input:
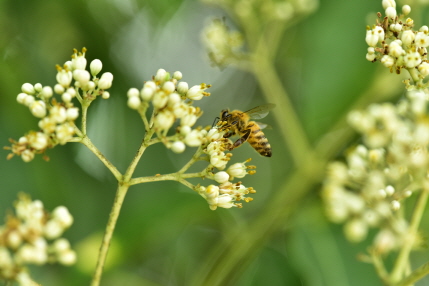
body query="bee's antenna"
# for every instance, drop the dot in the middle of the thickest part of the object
(215, 121)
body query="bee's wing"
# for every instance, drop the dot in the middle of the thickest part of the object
(261, 111)
(263, 125)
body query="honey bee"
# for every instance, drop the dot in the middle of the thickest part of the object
(238, 122)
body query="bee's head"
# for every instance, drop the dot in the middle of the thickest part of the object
(224, 115)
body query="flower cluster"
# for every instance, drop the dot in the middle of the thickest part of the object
(225, 195)
(369, 188)
(171, 100)
(57, 118)
(32, 236)
(396, 45)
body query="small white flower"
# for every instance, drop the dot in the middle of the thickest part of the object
(370, 57)
(53, 229)
(182, 87)
(95, 67)
(169, 86)
(421, 39)
(66, 97)
(391, 12)
(177, 75)
(28, 88)
(133, 102)
(371, 38)
(38, 108)
(21, 98)
(79, 62)
(387, 61)
(395, 49)
(27, 155)
(388, 3)
(356, 230)
(159, 100)
(62, 214)
(58, 88)
(221, 177)
(67, 257)
(147, 93)
(46, 92)
(105, 81)
(64, 133)
(14, 239)
(58, 113)
(188, 120)
(161, 75)
(164, 120)
(173, 99)
(193, 138)
(195, 93)
(133, 92)
(237, 170)
(181, 110)
(218, 160)
(412, 59)
(82, 76)
(72, 113)
(28, 100)
(406, 9)
(178, 147)
(407, 37)
(64, 77)
(105, 95)
(38, 140)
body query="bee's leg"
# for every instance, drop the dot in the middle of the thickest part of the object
(228, 134)
(241, 140)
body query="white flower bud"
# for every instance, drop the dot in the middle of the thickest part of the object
(188, 120)
(46, 92)
(134, 102)
(59, 89)
(159, 100)
(391, 12)
(177, 75)
(371, 38)
(133, 92)
(66, 97)
(388, 3)
(147, 93)
(105, 95)
(95, 67)
(38, 108)
(193, 138)
(161, 75)
(406, 9)
(396, 205)
(356, 230)
(237, 170)
(421, 39)
(195, 93)
(407, 37)
(14, 239)
(72, 113)
(28, 100)
(67, 257)
(412, 59)
(178, 147)
(395, 49)
(424, 69)
(164, 120)
(62, 214)
(185, 129)
(28, 88)
(38, 141)
(221, 177)
(105, 81)
(53, 229)
(27, 155)
(387, 61)
(150, 84)
(370, 57)
(21, 98)
(38, 87)
(182, 87)
(64, 77)
(168, 86)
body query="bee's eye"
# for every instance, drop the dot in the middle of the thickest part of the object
(224, 113)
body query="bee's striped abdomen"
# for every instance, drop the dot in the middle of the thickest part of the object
(258, 140)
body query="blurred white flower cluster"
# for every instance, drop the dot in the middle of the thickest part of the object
(395, 43)
(33, 236)
(226, 46)
(57, 118)
(368, 190)
(171, 100)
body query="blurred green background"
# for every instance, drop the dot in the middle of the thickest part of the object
(166, 232)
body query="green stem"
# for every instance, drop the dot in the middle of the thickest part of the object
(87, 142)
(379, 266)
(85, 105)
(402, 259)
(167, 177)
(417, 274)
(114, 214)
